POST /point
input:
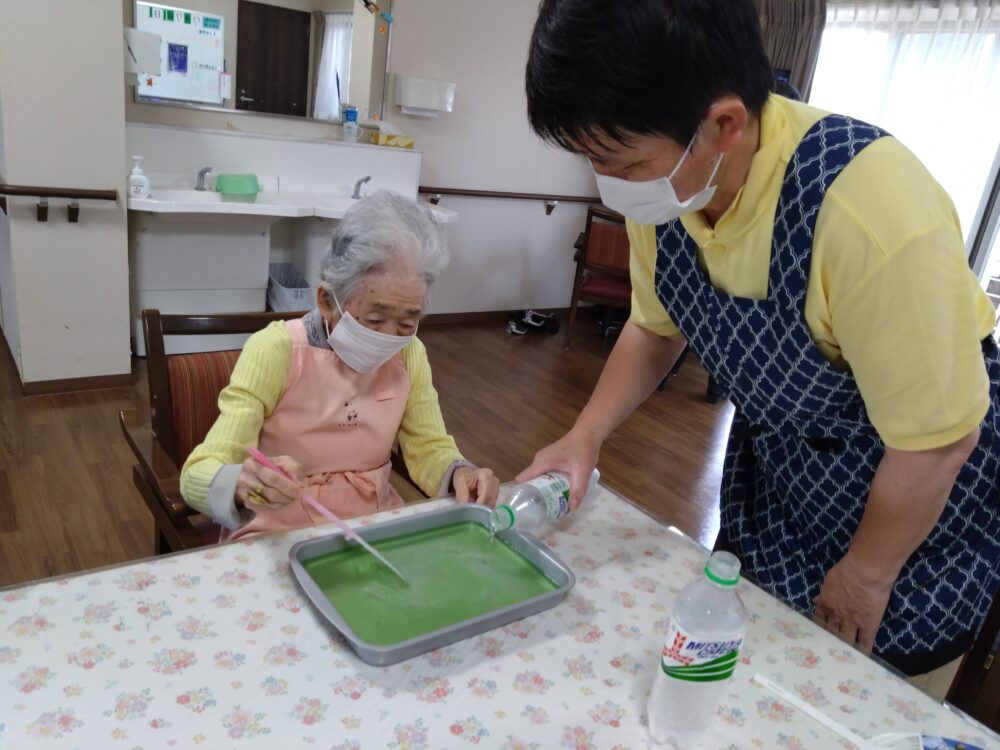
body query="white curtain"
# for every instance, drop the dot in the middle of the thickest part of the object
(792, 30)
(929, 73)
(333, 71)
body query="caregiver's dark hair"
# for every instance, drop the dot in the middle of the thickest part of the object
(650, 67)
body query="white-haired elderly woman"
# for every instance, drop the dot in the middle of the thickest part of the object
(325, 397)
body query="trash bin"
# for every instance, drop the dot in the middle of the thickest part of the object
(287, 291)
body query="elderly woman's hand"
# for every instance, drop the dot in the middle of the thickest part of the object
(260, 488)
(475, 485)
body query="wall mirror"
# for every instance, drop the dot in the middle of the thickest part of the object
(294, 58)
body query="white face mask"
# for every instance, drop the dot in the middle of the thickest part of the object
(361, 348)
(654, 201)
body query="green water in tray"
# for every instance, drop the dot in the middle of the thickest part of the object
(455, 572)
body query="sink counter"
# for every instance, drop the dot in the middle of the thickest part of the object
(180, 201)
(289, 204)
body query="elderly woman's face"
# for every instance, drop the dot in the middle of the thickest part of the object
(389, 302)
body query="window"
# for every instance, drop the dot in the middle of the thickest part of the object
(929, 73)
(334, 66)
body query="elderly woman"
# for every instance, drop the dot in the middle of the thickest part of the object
(327, 396)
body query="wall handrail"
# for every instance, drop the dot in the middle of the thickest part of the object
(551, 201)
(75, 195)
(35, 191)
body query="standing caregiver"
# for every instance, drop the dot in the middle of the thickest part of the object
(818, 271)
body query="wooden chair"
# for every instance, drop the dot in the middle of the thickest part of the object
(601, 259)
(183, 396)
(602, 277)
(976, 689)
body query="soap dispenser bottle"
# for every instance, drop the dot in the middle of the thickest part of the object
(138, 183)
(350, 124)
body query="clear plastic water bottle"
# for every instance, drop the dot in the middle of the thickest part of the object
(700, 653)
(535, 504)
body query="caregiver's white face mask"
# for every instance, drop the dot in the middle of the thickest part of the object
(654, 201)
(361, 348)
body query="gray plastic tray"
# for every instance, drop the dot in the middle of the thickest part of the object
(529, 546)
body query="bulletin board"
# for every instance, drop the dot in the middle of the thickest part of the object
(191, 53)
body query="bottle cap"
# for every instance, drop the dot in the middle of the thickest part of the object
(723, 568)
(595, 477)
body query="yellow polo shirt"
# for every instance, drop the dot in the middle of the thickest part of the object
(890, 293)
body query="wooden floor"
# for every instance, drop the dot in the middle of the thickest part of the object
(67, 502)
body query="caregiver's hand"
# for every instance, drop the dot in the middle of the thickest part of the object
(852, 602)
(475, 485)
(256, 481)
(574, 454)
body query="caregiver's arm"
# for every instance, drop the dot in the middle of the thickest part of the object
(637, 364)
(907, 497)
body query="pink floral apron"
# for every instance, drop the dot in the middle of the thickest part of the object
(340, 425)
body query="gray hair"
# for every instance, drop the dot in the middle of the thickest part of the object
(384, 232)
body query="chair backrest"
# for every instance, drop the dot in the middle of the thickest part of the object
(184, 388)
(195, 383)
(976, 689)
(606, 242)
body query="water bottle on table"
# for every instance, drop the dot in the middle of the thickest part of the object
(533, 505)
(701, 651)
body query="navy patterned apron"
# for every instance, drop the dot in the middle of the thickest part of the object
(802, 452)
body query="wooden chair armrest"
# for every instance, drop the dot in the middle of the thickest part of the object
(158, 468)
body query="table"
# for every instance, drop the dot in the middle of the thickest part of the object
(217, 648)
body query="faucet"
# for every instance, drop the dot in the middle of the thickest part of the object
(200, 185)
(357, 186)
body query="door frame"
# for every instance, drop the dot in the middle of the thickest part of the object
(986, 224)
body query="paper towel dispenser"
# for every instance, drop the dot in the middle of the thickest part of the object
(424, 97)
(142, 54)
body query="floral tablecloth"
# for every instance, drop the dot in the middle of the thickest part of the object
(217, 648)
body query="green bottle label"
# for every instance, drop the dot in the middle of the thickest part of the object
(555, 491)
(687, 658)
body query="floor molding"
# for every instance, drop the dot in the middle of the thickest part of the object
(92, 383)
(489, 316)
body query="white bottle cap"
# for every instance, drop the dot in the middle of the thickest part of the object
(595, 477)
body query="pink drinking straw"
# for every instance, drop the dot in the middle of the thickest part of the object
(348, 531)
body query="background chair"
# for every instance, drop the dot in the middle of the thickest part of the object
(602, 277)
(183, 400)
(601, 265)
(976, 689)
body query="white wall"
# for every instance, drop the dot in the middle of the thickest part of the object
(8, 300)
(64, 125)
(507, 254)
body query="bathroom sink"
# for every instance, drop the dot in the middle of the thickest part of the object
(186, 201)
(330, 207)
(180, 204)
(185, 196)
